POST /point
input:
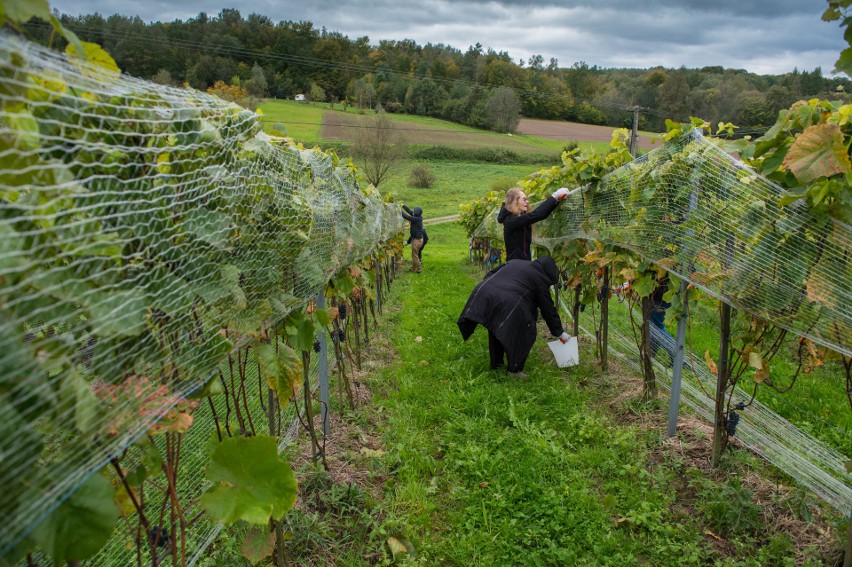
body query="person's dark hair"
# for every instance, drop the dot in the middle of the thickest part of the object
(549, 266)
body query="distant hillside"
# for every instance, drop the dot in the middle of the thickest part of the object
(476, 87)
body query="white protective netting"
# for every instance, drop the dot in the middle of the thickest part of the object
(138, 223)
(781, 264)
(704, 216)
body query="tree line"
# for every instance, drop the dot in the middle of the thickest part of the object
(478, 87)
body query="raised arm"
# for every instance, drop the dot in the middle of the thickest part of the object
(540, 212)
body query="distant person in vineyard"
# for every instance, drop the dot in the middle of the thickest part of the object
(507, 303)
(660, 337)
(417, 236)
(517, 220)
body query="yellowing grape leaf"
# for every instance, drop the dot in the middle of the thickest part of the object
(818, 152)
(396, 547)
(400, 547)
(820, 291)
(282, 368)
(755, 360)
(762, 374)
(95, 55)
(711, 364)
(259, 544)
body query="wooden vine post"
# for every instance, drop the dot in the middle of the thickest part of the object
(576, 311)
(604, 332)
(649, 379)
(723, 370)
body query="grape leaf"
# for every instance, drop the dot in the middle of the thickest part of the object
(81, 525)
(212, 227)
(251, 482)
(282, 369)
(94, 54)
(259, 544)
(818, 152)
(22, 11)
(117, 312)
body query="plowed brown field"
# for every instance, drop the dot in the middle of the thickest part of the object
(342, 127)
(576, 132)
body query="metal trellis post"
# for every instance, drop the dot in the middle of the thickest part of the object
(680, 337)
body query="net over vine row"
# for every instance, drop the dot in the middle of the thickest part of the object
(145, 233)
(815, 465)
(699, 213)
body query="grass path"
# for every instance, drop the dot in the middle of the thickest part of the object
(467, 467)
(494, 471)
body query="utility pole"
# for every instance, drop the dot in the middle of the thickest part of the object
(634, 132)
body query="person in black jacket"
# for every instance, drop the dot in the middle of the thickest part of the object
(417, 236)
(506, 303)
(517, 220)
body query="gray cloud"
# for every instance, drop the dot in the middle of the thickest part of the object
(764, 36)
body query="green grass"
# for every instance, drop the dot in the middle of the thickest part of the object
(303, 120)
(475, 468)
(816, 404)
(456, 183)
(486, 470)
(303, 123)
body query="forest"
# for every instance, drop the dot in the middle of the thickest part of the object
(287, 58)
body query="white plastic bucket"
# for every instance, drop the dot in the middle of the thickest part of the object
(565, 354)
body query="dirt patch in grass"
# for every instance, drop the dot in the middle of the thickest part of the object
(573, 131)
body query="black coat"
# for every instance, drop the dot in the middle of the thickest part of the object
(517, 229)
(415, 217)
(507, 302)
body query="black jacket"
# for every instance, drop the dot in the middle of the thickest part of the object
(517, 229)
(507, 302)
(415, 217)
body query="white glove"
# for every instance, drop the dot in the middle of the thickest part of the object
(561, 193)
(563, 338)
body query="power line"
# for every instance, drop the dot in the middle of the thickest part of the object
(302, 60)
(317, 62)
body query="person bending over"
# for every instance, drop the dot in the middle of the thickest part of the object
(507, 303)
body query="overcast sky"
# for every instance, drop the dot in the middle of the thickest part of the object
(762, 36)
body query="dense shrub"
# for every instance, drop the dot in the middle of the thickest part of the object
(570, 145)
(421, 177)
(503, 184)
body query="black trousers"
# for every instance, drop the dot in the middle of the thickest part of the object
(496, 351)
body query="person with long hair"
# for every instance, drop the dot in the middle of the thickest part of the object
(517, 220)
